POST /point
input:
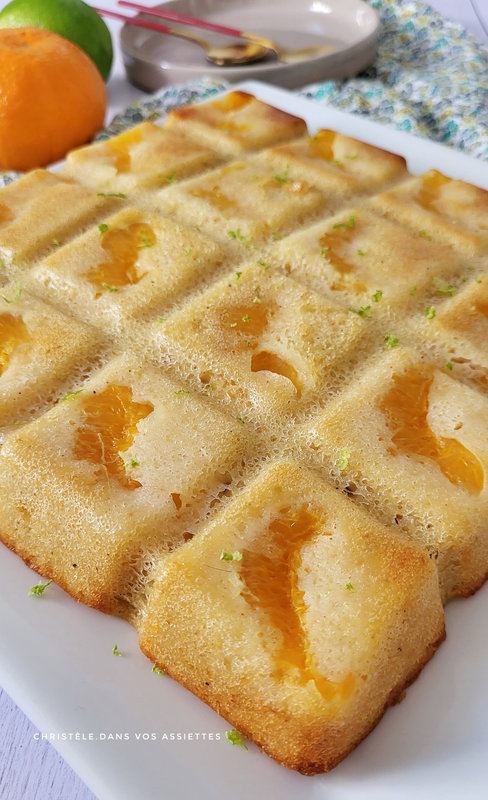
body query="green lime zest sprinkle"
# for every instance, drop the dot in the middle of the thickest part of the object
(349, 587)
(239, 236)
(116, 651)
(246, 318)
(240, 418)
(450, 365)
(146, 241)
(276, 234)
(426, 235)
(39, 589)
(238, 275)
(171, 178)
(352, 156)
(70, 395)
(158, 670)
(429, 312)
(120, 195)
(225, 556)
(283, 178)
(376, 297)
(263, 263)
(159, 321)
(183, 391)
(442, 287)
(16, 296)
(344, 458)
(391, 341)
(361, 252)
(109, 287)
(103, 227)
(57, 242)
(324, 252)
(351, 223)
(236, 738)
(362, 312)
(413, 291)
(132, 463)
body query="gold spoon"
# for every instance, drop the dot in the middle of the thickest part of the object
(289, 56)
(247, 52)
(229, 55)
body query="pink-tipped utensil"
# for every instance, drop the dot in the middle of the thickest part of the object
(230, 55)
(288, 56)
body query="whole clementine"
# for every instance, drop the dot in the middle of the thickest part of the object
(52, 97)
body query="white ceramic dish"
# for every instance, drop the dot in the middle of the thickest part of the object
(56, 662)
(153, 60)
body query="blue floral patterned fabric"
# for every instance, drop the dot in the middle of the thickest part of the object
(430, 78)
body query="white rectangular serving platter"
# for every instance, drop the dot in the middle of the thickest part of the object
(56, 661)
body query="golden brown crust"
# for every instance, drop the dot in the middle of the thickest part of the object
(307, 723)
(266, 309)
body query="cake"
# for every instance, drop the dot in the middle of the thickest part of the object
(243, 404)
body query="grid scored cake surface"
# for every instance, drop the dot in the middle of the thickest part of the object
(247, 382)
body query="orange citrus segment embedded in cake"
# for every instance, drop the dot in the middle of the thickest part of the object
(429, 190)
(248, 322)
(406, 406)
(123, 246)
(109, 428)
(12, 332)
(265, 360)
(271, 584)
(119, 148)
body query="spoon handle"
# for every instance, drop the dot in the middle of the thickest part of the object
(154, 26)
(139, 23)
(185, 20)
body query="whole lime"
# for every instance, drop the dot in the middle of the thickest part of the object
(72, 19)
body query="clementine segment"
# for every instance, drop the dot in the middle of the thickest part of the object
(52, 97)
(111, 419)
(12, 333)
(406, 406)
(122, 246)
(271, 584)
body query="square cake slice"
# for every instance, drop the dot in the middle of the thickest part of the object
(109, 479)
(262, 343)
(131, 263)
(235, 124)
(244, 203)
(296, 616)
(338, 163)
(409, 442)
(456, 334)
(42, 354)
(144, 157)
(39, 212)
(440, 208)
(358, 257)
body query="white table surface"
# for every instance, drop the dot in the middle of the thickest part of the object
(31, 769)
